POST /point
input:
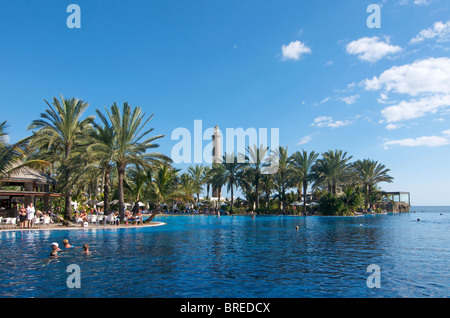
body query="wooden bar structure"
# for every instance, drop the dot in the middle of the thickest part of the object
(24, 187)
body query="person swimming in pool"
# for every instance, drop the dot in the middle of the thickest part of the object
(67, 244)
(86, 248)
(55, 250)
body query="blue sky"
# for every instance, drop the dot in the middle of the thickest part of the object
(313, 69)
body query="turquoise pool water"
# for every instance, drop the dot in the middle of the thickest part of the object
(265, 257)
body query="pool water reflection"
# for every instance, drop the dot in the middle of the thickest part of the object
(233, 257)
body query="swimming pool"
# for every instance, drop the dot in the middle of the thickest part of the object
(234, 257)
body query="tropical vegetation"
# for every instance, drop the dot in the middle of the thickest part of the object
(110, 158)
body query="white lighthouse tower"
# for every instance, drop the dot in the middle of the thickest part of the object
(216, 156)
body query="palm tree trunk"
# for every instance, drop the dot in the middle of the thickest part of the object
(305, 186)
(257, 193)
(121, 173)
(106, 191)
(68, 203)
(232, 201)
(154, 213)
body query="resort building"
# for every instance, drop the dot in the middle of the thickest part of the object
(24, 187)
(395, 202)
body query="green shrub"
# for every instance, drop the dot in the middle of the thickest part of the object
(330, 204)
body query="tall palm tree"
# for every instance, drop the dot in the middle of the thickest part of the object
(197, 173)
(229, 173)
(303, 163)
(100, 149)
(129, 128)
(268, 184)
(187, 185)
(282, 180)
(369, 173)
(207, 179)
(332, 169)
(256, 159)
(61, 125)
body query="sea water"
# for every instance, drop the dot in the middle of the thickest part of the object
(234, 257)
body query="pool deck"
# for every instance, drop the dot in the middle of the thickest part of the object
(79, 227)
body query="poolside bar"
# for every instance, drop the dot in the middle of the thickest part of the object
(24, 187)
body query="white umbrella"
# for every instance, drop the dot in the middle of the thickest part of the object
(296, 203)
(90, 202)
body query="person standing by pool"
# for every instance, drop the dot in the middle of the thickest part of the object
(22, 216)
(30, 216)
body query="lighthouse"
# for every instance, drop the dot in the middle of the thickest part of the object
(216, 156)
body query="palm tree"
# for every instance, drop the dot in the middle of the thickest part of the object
(135, 183)
(207, 179)
(268, 183)
(332, 169)
(369, 173)
(61, 125)
(13, 157)
(303, 163)
(129, 148)
(100, 149)
(164, 189)
(197, 173)
(229, 173)
(256, 161)
(282, 174)
(187, 185)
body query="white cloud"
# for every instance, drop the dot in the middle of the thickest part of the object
(349, 100)
(294, 50)
(421, 2)
(427, 81)
(415, 108)
(371, 49)
(417, 2)
(304, 140)
(325, 100)
(425, 141)
(326, 121)
(393, 126)
(440, 30)
(424, 76)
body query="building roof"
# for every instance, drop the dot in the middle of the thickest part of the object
(27, 174)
